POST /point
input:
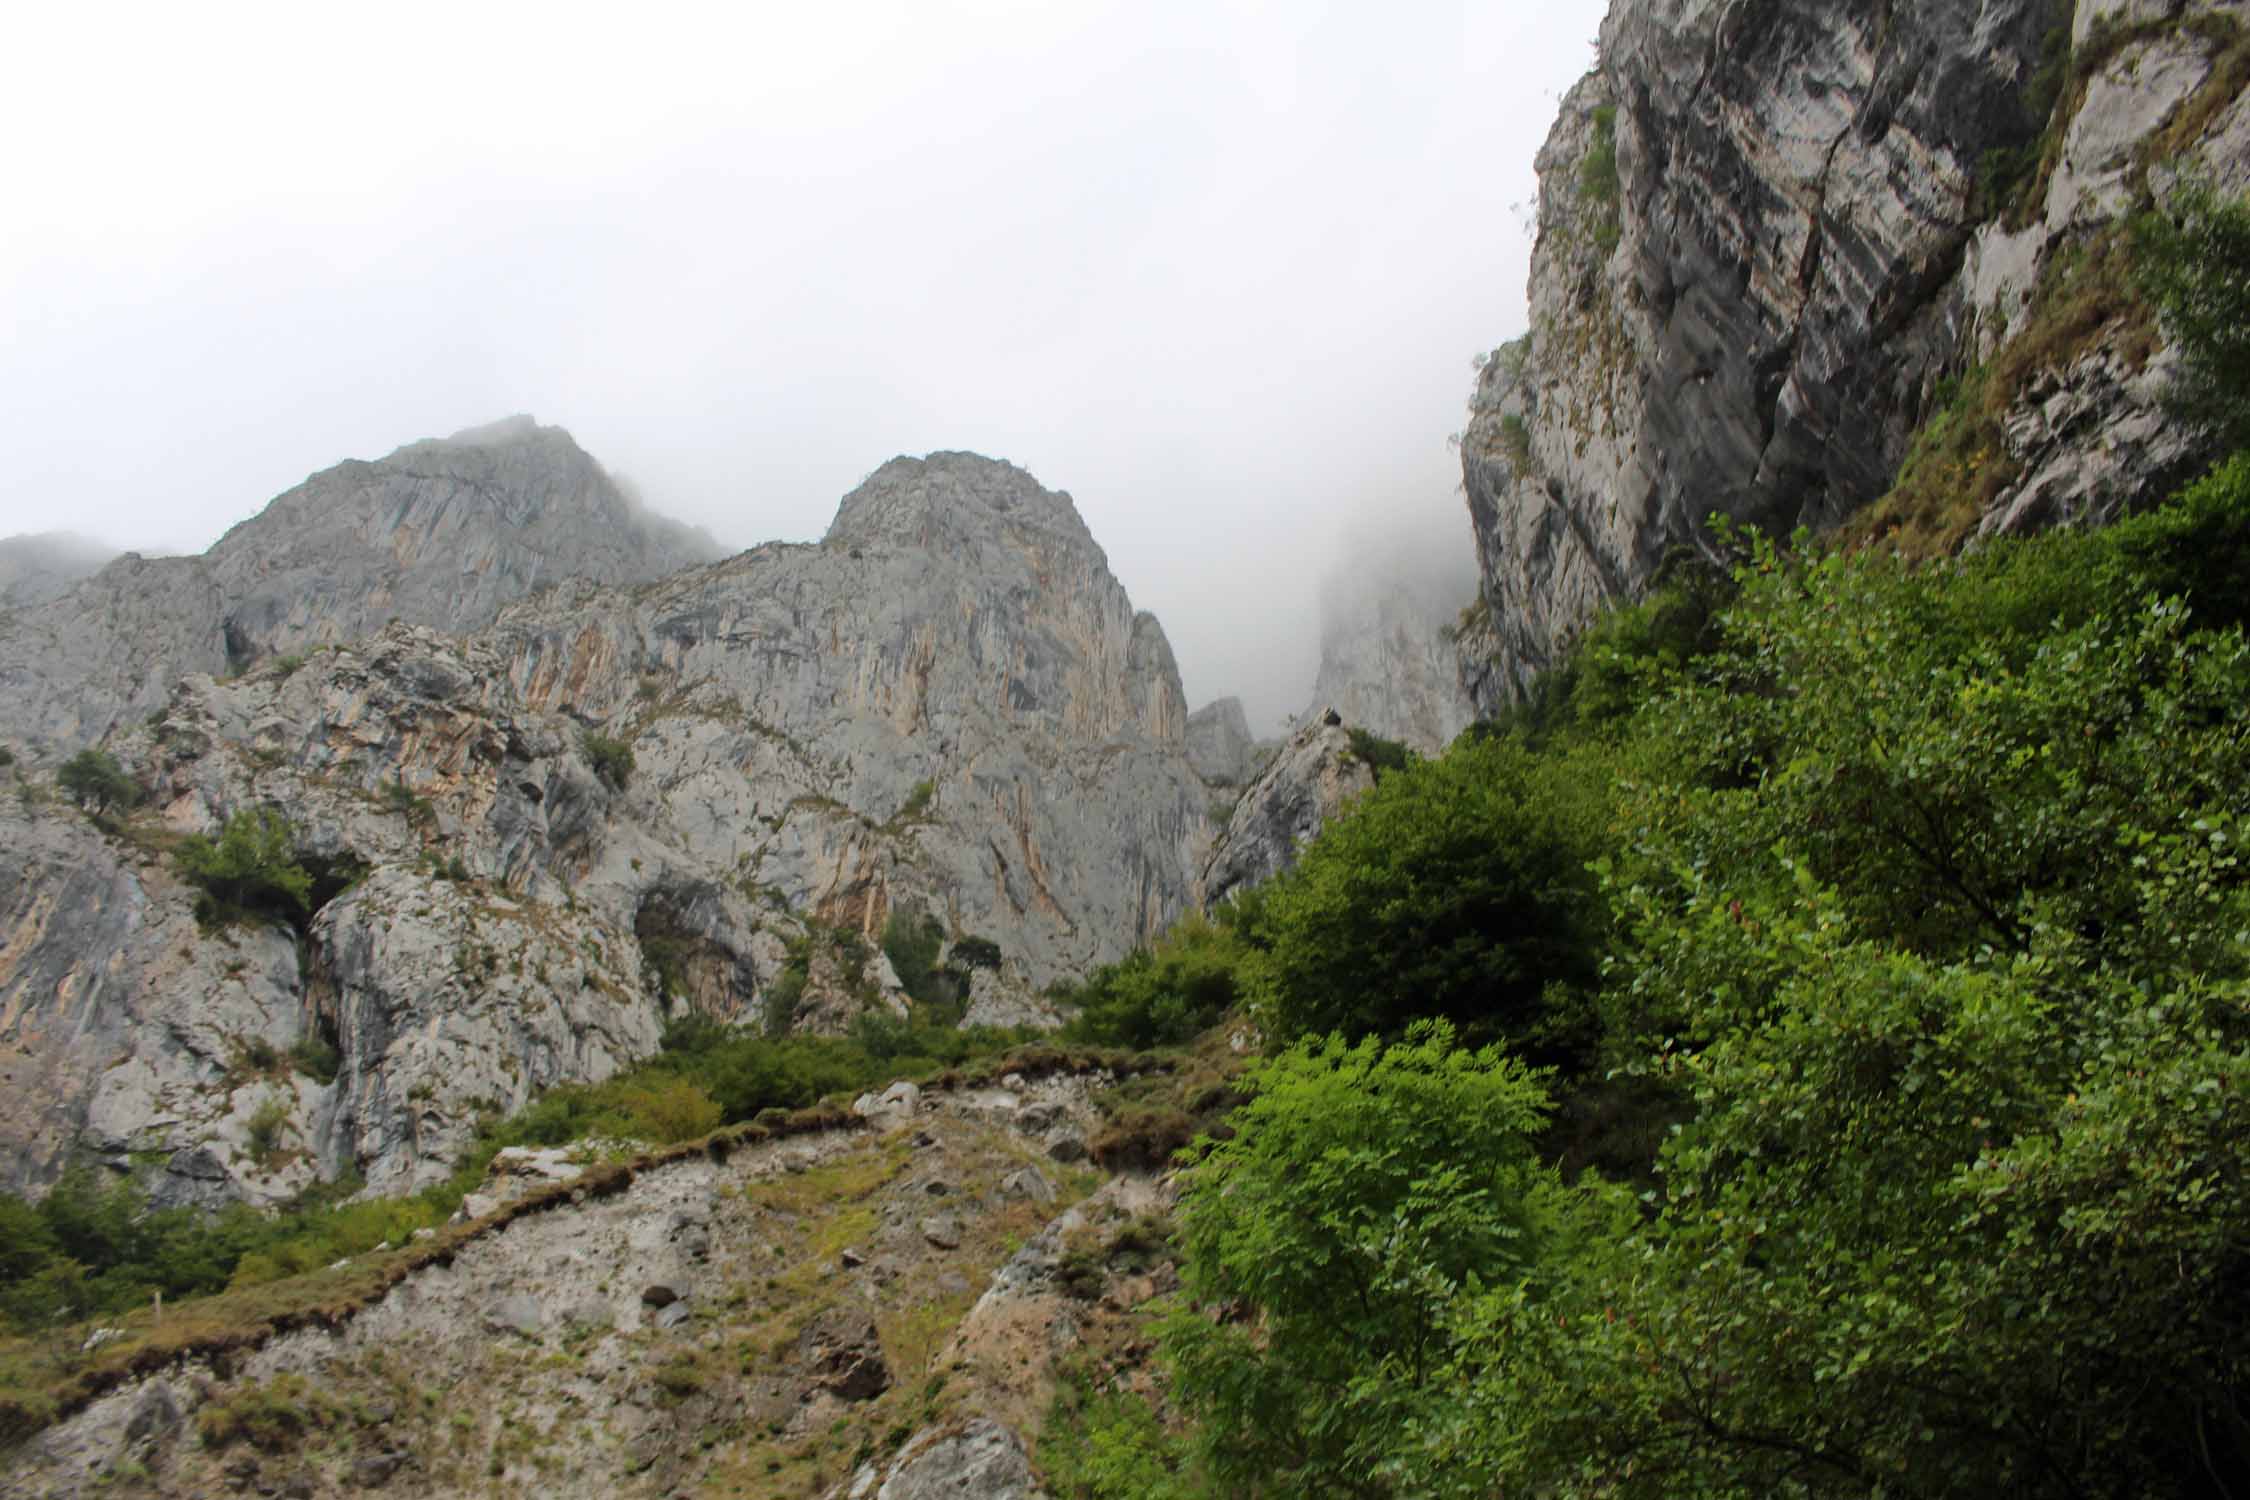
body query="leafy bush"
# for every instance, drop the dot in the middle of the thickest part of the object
(1165, 994)
(2193, 261)
(1366, 1185)
(1380, 755)
(250, 872)
(611, 758)
(96, 782)
(976, 953)
(1457, 888)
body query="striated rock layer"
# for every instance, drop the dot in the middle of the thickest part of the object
(1767, 233)
(440, 533)
(538, 844)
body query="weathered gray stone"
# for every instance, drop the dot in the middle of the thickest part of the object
(979, 1457)
(843, 1353)
(37, 568)
(1758, 320)
(942, 1230)
(1304, 786)
(1220, 745)
(440, 533)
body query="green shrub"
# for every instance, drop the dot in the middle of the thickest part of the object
(976, 953)
(1165, 994)
(2193, 262)
(611, 758)
(1365, 1186)
(1455, 887)
(250, 872)
(96, 782)
(1378, 754)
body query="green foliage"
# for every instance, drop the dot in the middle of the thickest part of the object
(266, 1125)
(912, 945)
(1456, 887)
(611, 758)
(1515, 439)
(249, 873)
(1097, 1445)
(917, 801)
(2193, 260)
(1165, 994)
(316, 1057)
(1366, 1187)
(976, 953)
(1379, 755)
(1598, 181)
(96, 782)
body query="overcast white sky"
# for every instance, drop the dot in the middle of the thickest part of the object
(1216, 268)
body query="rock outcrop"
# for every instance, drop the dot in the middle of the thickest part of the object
(441, 533)
(1220, 745)
(623, 1316)
(1300, 789)
(1768, 235)
(536, 845)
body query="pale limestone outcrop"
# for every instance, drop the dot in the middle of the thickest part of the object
(441, 533)
(1761, 249)
(1305, 785)
(948, 707)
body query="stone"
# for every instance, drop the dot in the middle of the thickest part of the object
(1311, 779)
(1028, 1182)
(942, 1230)
(659, 1294)
(1036, 1119)
(1759, 319)
(1067, 1145)
(519, 1313)
(851, 1259)
(979, 1457)
(376, 1469)
(672, 1315)
(843, 1352)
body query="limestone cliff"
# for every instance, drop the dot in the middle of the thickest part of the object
(1774, 237)
(540, 842)
(440, 533)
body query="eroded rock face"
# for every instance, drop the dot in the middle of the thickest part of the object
(948, 705)
(441, 533)
(1220, 745)
(1761, 249)
(539, 844)
(1304, 786)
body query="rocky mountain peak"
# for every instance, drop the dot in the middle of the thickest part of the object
(948, 500)
(442, 533)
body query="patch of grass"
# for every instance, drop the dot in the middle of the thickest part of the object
(1959, 463)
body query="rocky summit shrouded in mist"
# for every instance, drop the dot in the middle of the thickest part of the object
(560, 776)
(441, 533)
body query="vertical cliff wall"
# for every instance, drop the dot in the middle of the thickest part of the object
(1776, 235)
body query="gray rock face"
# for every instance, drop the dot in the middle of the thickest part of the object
(441, 533)
(1305, 785)
(1390, 664)
(44, 566)
(948, 707)
(1219, 744)
(1755, 319)
(979, 1457)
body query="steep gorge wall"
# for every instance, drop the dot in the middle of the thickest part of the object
(1772, 231)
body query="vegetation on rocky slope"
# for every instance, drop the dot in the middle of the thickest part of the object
(1908, 1004)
